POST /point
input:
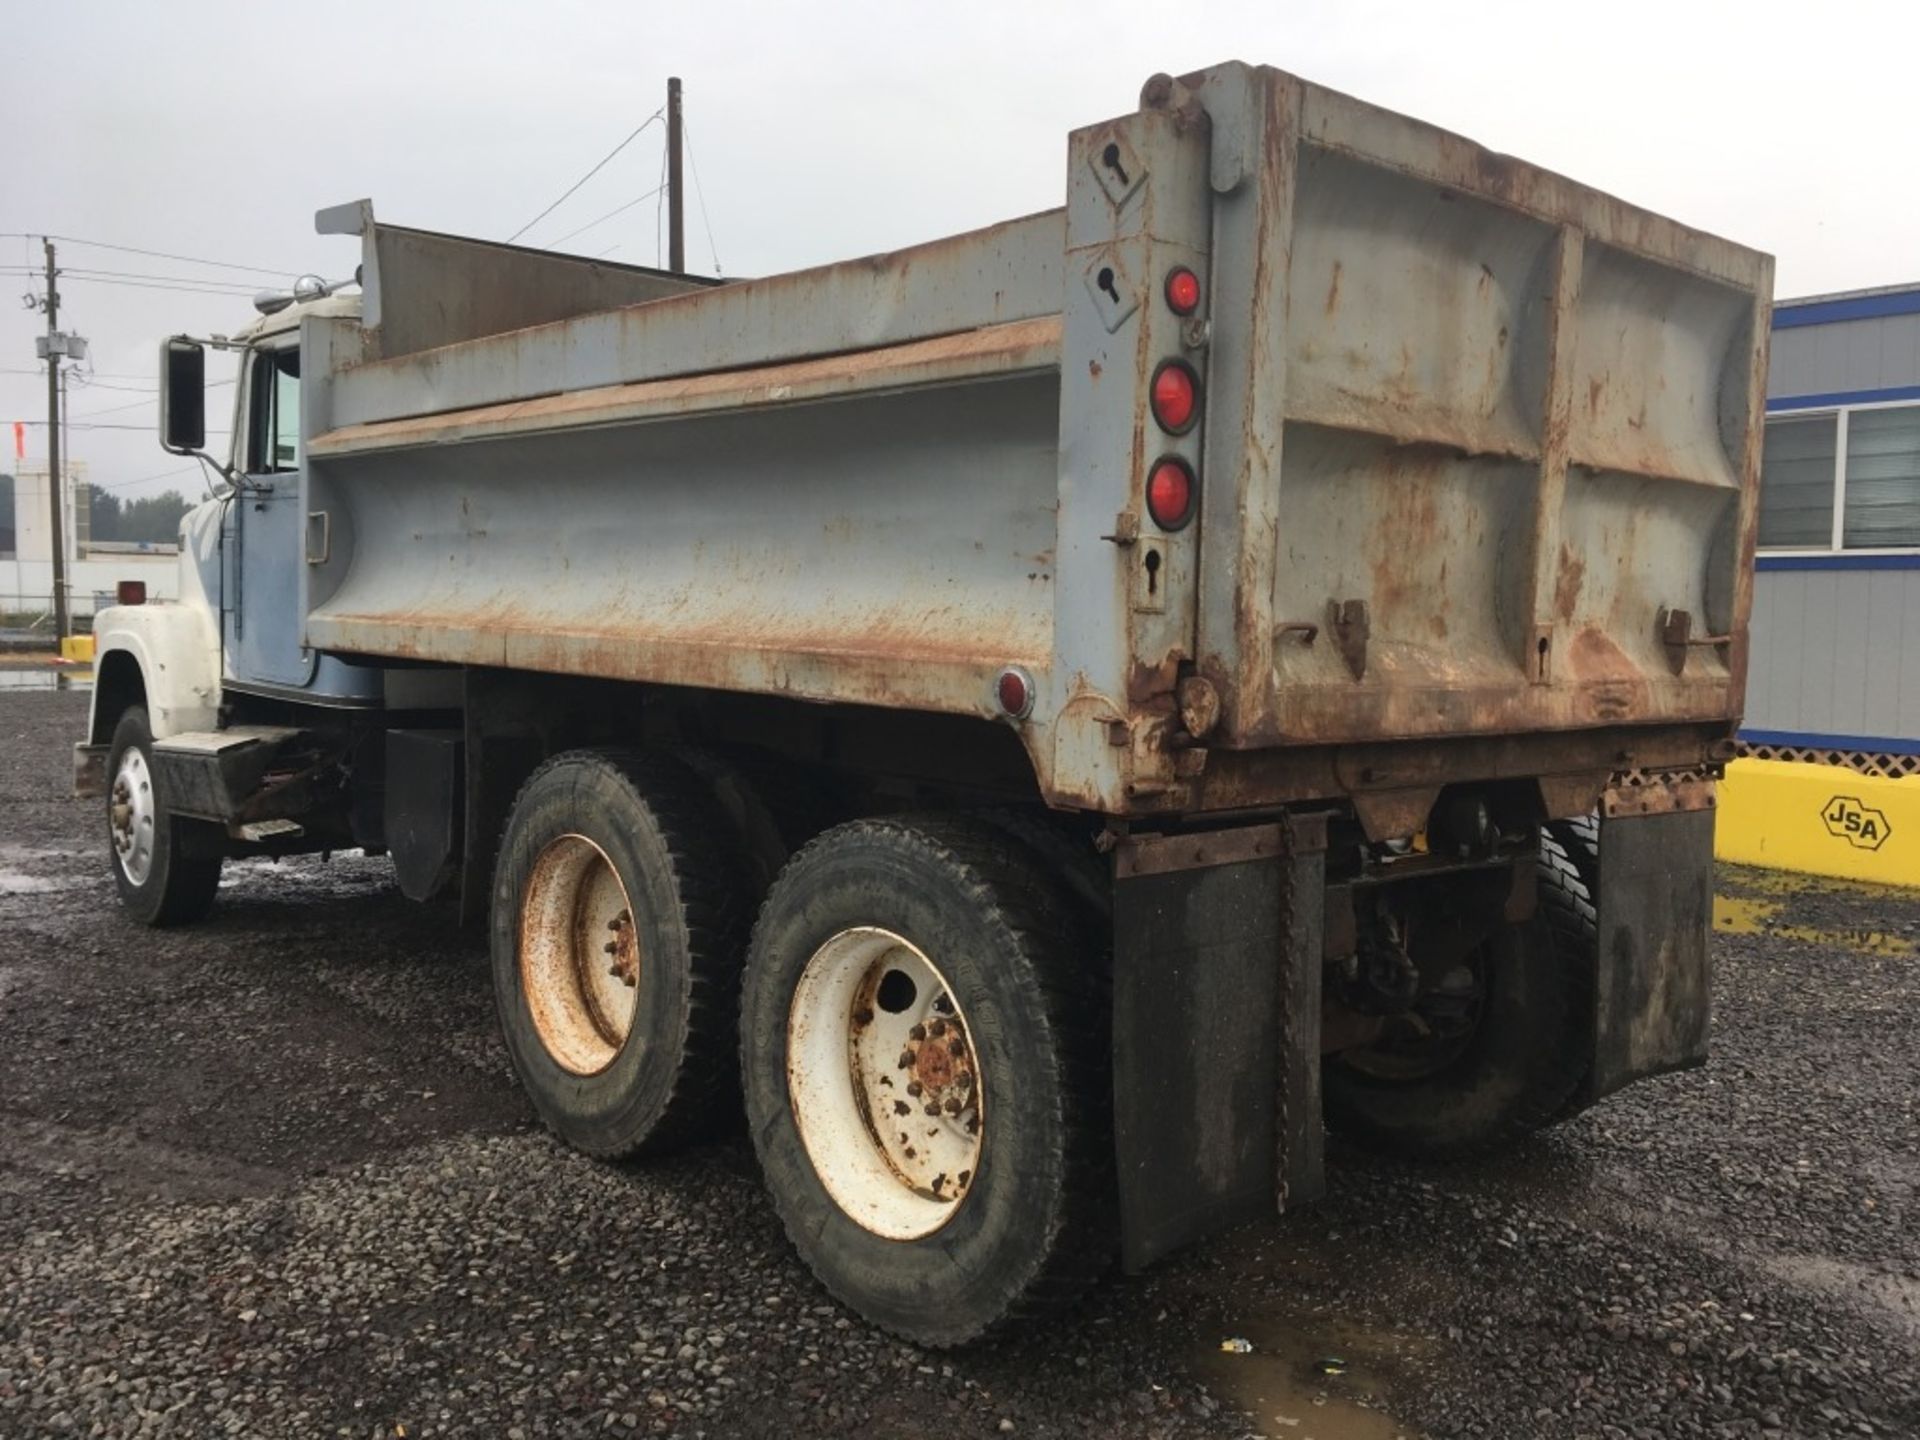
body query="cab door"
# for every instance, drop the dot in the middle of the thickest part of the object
(265, 535)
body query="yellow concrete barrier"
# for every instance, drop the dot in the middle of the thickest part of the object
(1820, 820)
(77, 649)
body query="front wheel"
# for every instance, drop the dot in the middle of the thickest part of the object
(165, 866)
(923, 1052)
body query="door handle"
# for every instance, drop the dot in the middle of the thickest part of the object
(320, 525)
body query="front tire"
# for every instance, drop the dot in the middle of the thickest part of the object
(618, 922)
(166, 867)
(923, 1052)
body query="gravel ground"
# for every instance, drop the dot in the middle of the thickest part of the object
(271, 1177)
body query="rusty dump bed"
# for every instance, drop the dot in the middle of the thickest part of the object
(1477, 454)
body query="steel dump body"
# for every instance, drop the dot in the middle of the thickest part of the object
(1477, 464)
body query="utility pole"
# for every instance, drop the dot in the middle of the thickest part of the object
(676, 202)
(56, 350)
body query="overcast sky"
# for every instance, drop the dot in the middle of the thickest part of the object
(822, 131)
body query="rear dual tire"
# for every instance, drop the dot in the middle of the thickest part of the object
(619, 915)
(921, 1033)
(937, 1226)
(1524, 1066)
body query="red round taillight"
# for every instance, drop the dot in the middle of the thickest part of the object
(1014, 690)
(1170, 493)
(1175, 396)
(1183, 290)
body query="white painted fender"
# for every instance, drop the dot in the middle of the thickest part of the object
(174, 643)
(176, 647)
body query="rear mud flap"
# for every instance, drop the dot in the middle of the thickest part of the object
(1216, 1028)
(1653, 992)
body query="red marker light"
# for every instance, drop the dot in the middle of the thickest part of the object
(1175, 396)
(1015, 692)
(130, 592)
(1170, 491)
(1183, 290)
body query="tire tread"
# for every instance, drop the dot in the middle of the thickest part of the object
(1011, 885)
(716, 917)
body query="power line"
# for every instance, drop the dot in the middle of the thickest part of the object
(658, 207)
(80, 425)
(146, 479)
(86, 382)
(586, 177)
(617, 210)
(686, 133)
(149, 285)
(156, 254)
(114, 409)
(102, 374)
(90, 272)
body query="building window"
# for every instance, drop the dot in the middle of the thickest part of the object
(1883, 478)
(1863, 461)
(1796, 482)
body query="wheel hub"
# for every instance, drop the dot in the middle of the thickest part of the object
(886, 1086)
(130, 815)
(580, 955)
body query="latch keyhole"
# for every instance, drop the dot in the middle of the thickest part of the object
(1111, 158)
(1105, 281)
(1153, 572)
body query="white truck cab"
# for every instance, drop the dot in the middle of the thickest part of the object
(176, 657)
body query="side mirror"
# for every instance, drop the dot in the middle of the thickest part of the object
(183, 396)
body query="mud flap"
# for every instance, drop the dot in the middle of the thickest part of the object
(1652, 999)
(1216, 1028)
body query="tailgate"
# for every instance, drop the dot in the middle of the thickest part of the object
(1505, 428)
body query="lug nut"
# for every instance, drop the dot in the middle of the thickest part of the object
(956, 1048)
(913, 1088)
(953, 1105)
(938, 1028)
(933, 1109)
(906, 1059)
(918, 1032)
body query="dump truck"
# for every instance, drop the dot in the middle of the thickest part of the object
(1043, 723)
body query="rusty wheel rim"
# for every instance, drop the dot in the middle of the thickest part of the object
(130, 816)
(886, 1084)
(579, 955)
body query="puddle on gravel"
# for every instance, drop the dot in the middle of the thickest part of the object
(1750, 915)
(1300, 1384)
(41, 677)
(12, 882)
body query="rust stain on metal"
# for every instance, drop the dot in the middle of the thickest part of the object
(1572, 571)
(1149, 682)
(1641, 793)
(1249, 779)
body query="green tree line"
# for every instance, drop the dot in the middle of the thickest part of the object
(152, 519)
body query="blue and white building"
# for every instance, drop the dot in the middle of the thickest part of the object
(1835, 672)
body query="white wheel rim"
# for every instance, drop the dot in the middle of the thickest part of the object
(885, 1082)
(130, 815)
(579, 955)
